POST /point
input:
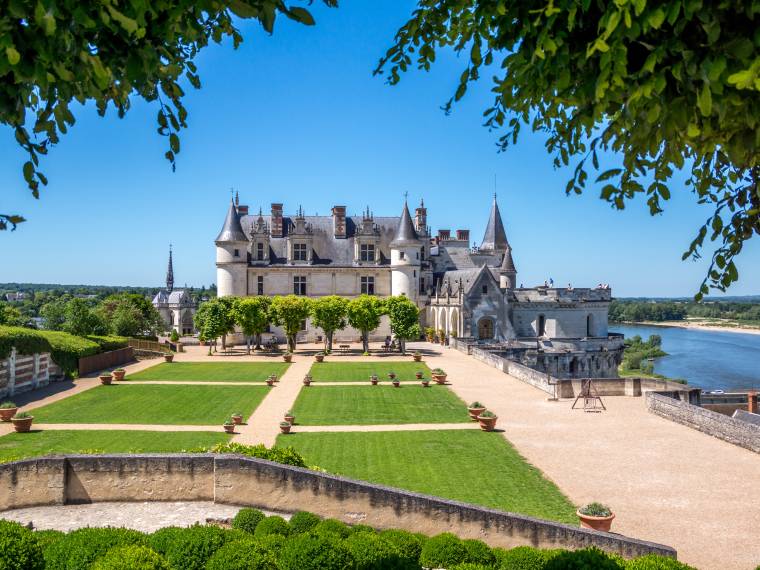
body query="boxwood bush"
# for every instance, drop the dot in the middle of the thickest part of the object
(162, 539)
(284, 455)
(523, 558)
(315, 552)
(655, 562)
(45, 538)
(273, 525)
(442, 551)
(19, 549)
(247, 519)
(131, 557)
(80, 548)
(108, 343)
(371, 552)
(303, 521)
(242, 555)
(192, 548)
(409, 544)
(582, 559)
(478, 552)
(332, 527)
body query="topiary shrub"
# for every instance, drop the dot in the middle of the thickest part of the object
(656, 562)
(19, 549)
(583, 559)
(242, 555)
(131, 557)
(108, 342)
(303, 522)
(332, 527)
(470, 566)
(80, 548)
(161, 540)
(478, 552)
(523, 558)
(371, 552)
(315, 552)
(442, 551)
(45, 538)
(362, 528)
(247, 519)
(408, 544)
(272, 525)
(284, 455)
(271, 543)
(191, 548)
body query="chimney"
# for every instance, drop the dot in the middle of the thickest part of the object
(444, 235)
(276, 220)
(242, 210)
(339, 221)
(463, 235)
(752, 402)
(420, 219)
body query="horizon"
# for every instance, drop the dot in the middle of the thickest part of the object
(298, 118)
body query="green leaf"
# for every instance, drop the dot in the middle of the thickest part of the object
(301, 15)
(638, 6)
(243, 9)
(28, 171)
(656, 18)
(13, 55)
(704, 100)
(128, 24)
(174, 142)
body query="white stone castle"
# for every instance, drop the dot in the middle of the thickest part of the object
(470, 293)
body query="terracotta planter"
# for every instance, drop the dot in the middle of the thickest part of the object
(285, 429)
(23, 425)
(291, 419)
(440, 378)
(396, 384)
(319, 357)
(118, 375)
(168, 357)
(270, 382)
(602, 524)
(307, 381)
(373, 381)
(487, 424)
(426, 383)
(391, 376)
(237, 420)
(7, 413)
(106, 379)
(417, 357)
(475, 412)
(287, 357)
(229, 429)
(418, 375)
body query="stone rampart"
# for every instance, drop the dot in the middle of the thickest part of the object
(237, 480)
(723, 427)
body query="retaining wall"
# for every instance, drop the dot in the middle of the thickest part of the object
(237, 480)
(723, 427)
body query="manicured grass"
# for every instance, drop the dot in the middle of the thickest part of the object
(366, 405)
(20, 445)
(361, 371)
(153, 404)
(211, 371)
(470, 466)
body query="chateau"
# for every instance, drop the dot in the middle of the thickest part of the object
(470, 293)
(176, 307)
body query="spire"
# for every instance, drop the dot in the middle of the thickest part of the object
(507, 263)
(495, 238)
(237, 198)
(405, 233)
(170, 272)
(231, 230)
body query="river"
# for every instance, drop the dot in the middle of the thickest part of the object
(711, 360)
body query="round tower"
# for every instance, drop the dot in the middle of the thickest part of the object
(507, 271)
(231, 257)
(405, 258)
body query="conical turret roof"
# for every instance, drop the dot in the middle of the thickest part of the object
(405, 233)
(507, 263)
(495, 238)
(231, 230)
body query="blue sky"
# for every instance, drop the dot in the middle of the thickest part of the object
(298, 118)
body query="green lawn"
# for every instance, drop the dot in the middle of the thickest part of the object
(20, 445)
(153, 404)
(211, 371)
(366, 405)
(470, 466)
(361, 371)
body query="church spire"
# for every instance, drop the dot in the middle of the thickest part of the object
(170, 272)
(495, 238)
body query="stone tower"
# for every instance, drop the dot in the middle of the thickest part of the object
(405, 258)
(507, 271)
(170, 273)
(495, 238)
(231, 256)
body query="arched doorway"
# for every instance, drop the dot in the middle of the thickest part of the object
(485, 328)
(454, 322)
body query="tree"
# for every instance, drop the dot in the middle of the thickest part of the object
(364, 314)
(81, 320)
(251, 314)
(329, 314)
(212, 320)
(662, 85)
(130, 314)
(55, 53)
(290, 312)
(11, 316)
(53, 313)
(405, 319)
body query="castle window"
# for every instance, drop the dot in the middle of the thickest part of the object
(299, 252)
(401, 255)
(485, 289)
(366, 252)
(541, 326)
(260, 285)
(368, 285)
(299, 285)
(422, 253)
(236, 253)
(260, 251)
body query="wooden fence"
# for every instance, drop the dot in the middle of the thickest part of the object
(151, 345)
(105, 360)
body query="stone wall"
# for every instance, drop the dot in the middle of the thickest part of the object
(712, 423)
(240, 480)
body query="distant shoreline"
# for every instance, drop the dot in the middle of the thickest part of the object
(695, 325)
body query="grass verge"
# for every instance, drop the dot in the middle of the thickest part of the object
(210, 371)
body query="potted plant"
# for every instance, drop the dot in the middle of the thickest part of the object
(285, 427)
(319, 357)
(106, 379)
(169, 356)
(417, 356)
(373, 379)
(475, 409)
(270, 381)
(274, 377)
(22, 422)
(119, 374)
(307, 380)
(229, 425)
(419, 374)
(425, 383)
(7, 411)
(396, 383)
(439, 375)
(442, 336)
(290, 418)
(288, 357)
(487, 420)
(429, 334)
(237, 418)
(391, 375)
(596, 516)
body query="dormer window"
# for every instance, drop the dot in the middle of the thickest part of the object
(260, 252)
(401, 255)
(299, 252)
(236, 253)
(367, 252)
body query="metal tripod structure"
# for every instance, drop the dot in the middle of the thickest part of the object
(592, 401)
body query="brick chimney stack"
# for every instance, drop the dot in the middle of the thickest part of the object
(463, 235)
(276, 221)
(752, 402)
(339, 221)
(242, 210)
(444, 235)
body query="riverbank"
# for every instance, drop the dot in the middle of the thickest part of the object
(699, 324)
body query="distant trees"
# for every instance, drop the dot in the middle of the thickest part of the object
(11, 316)
(129, 314)
(81, 320)
(364, 314)
(658, 311)
(329, 313)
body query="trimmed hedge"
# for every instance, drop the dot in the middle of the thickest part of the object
(442, 551)
(242, 555)
(303, 521)
(65, 349)
(314, 552)
(371, 552)
(109, 342)
(80, 548)
(332, 527)
(655, 562)
(409, 544)
(585, 558)
(247, 520)
(523, 558)
(131, 557)
(19, 549)
(284, 455)
(272, 525)
(192, 548)
(478, 552)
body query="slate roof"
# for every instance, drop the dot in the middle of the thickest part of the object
(468, 276)
(405, 233)
(495, 238)
(176, 297)
(231, 230)
(507, 263)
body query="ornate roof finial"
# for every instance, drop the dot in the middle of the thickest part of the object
(406, 196)
(237, 198)
(170, 272)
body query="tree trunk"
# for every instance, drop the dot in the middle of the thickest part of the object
(365, 340)
(224, 341)
(402, 345)
(292, 342)
(248, 344)
(258, 341)
(329, 337)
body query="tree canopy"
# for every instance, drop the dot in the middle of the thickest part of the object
(290, 311)
(329, 314)
(658, 86)
(364, 313)
(130, 314)
(405, 319)
(55, 54)
(252, 315)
